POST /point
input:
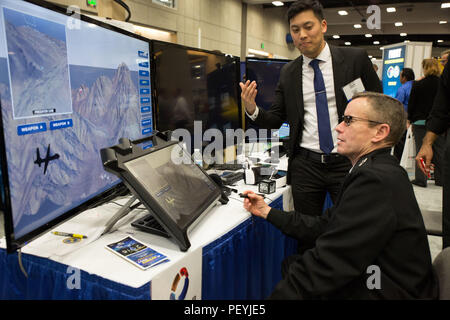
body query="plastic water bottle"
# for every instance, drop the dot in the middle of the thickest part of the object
(198, 159)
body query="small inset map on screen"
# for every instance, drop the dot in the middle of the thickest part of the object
(40, 81)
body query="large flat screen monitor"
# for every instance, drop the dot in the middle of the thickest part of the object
(195, 85)
(68, 88)
(175, 190)
(266, 73)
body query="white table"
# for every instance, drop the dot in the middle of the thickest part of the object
(92, 263)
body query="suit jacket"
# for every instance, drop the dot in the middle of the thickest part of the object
(348, 64)
(376, 221)
(422, 97)
(439, 120)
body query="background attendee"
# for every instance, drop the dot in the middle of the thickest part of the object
(375, 224)
(375, 67)
(406, 79)
(310, 98)
(437, 125)
(444, 57)
(421, 100)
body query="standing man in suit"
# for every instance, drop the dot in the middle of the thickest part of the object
(311, 98)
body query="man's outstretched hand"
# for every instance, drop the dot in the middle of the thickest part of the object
(256, 205)
(248, 95)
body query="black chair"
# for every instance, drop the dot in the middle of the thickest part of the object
(441, 265)
(433, 222)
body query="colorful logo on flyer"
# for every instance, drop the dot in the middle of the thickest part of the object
(183, 273)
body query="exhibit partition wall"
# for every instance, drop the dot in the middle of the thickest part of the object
(68, 88)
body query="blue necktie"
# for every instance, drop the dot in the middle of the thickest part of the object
(323, 118)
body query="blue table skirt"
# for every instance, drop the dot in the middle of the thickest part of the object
(246, 262)
(243, 264)
(49, 280)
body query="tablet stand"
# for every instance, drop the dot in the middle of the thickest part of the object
(127, 208)
(147, 223)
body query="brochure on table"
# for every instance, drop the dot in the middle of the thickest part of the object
(137, 253)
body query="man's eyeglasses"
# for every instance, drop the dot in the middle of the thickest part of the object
(349, 119)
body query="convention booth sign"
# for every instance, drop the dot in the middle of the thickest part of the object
(393, 63)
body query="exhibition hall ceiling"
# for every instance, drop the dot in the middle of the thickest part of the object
(412, 21)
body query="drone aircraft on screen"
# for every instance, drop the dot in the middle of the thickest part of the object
(47, 158)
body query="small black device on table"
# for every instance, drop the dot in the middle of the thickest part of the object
(230, 178)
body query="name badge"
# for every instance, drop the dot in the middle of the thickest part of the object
(354, 87)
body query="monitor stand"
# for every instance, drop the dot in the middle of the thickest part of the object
(147, 223)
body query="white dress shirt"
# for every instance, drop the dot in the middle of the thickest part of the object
(310, 137)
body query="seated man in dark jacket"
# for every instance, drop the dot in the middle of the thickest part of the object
(372, 244)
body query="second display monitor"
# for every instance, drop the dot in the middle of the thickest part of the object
(195, 85)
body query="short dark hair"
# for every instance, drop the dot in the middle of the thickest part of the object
(408, 74)
(386, 109)
(303, 5)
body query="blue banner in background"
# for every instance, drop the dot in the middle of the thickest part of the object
(393, 63)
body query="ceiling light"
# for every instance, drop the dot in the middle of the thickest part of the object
(258, 52)
(376, 42)
(336, 36)
(277, 3)
(406, 41)
(381, 48)
(403, 34)
(440, 41)
(357, 26)
(348, 43)
(368, 35)
(442, 22)
(399, 24)
(390, 9)
(342, 12)
(370, 57)
(445, 5)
